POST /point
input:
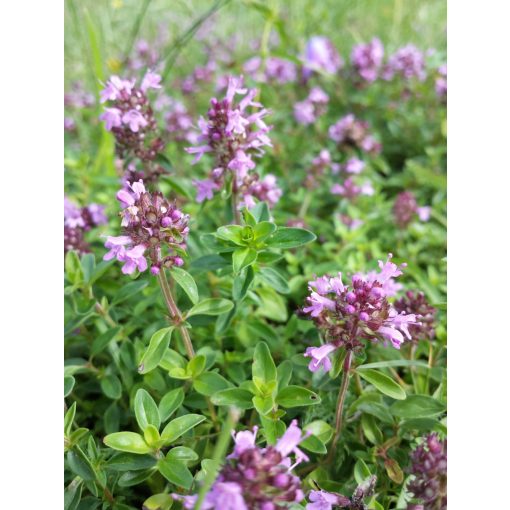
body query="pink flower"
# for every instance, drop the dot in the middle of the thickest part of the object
(134, 259)
(112, 118)
(114, 87)
(320, 357)
(317, 304)
(151, 80)
(116, 246)
(322, 500)
(289, 441)
(354, 166)
(134, 119)
(204, 189)
(423, 213)
(244, 440)
(321, 55)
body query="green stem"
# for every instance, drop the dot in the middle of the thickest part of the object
(340, 403)
(175, 313)
(218, 455)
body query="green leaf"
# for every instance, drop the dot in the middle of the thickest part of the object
(127, 442)
(186, 282)
(103, 340)
(242, 283)
(196, 365)
(176, 472)
(383, 383)
(158, 502)
(170, 403)
(158, 345)
(417, 406)
(237, 397)
(361, 471)
(422, 425)
(273, 306)
(284, 373)
(210, 383)
(182, 453)
(371, 430)
(68, 385)
(130, 478)
(69, 418)
(176, 428)
(232, 233)
(73, 268)
(262, 230)
(261, 212)
(72, 496)
(146, 410)
(111, 387)
(313, 444)
(263, 405)
(151, 436)
(130, 462)
(290, 237)
(274, 279)
(131, 289)
(296, 396)
(88, 264)
(263, 367)
(320, 429)
(80, 464)
(243, 257)
(211, 306)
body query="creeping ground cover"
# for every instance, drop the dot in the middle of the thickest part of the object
(255, 255)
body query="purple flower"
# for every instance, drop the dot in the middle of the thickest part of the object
(72, 215)
(352, 132)
(307, 111)
(288, 443)
(114, 89)
(320, 55)
(234, 136)
(320, 357)
(322, 500)
(441, 83)
(134, 119)
(424, 213)
(317, 304)
(205, 189)
(225, 495)
(151, 80)
(405, 208)
(354, 166)
(416, 303)
(151, 225)
(367, 59)
(134, 259)
(407, 62)
(244, 440)
(347, 314)
(112, 118)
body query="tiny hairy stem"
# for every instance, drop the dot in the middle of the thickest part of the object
(235, 209)
(175, 313)
(340, 403)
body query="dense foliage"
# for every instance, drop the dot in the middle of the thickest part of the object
(255, 275)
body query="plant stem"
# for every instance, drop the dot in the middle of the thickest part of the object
(340, 403)
(304, 206)
(175, 312)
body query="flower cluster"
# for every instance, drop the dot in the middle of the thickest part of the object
(200, 74)
(352, 132)
(320, 164)
(130, 117)
(349, 189)
(320, 55)
(275, 70)
(308, 111)
(416, 303)
(77, 221)
(429, 462)
(322, 500)
(405, 208)
(233, 136)
(348, 314)
(407, 62)
(179, 122)
(256, 478)
(441, 85)
(366, 59)
(145, 55)
(152, 226)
